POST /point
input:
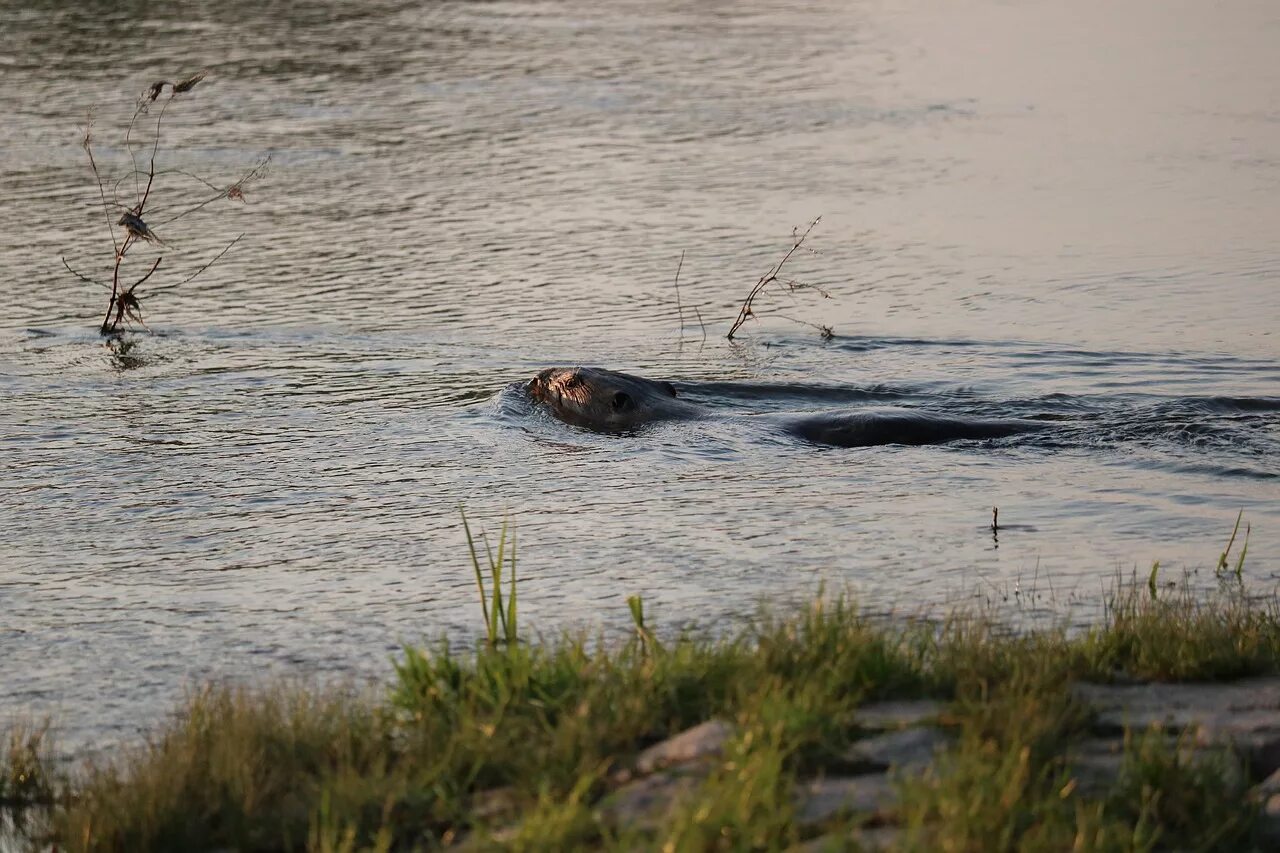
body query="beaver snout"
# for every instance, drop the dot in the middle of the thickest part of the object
(605, 399)
(538, 384)
(552, 380)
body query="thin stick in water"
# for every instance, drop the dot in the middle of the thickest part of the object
(679, 306)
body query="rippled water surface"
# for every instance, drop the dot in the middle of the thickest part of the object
(1065, 212)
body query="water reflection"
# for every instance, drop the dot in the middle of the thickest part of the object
(125, 353)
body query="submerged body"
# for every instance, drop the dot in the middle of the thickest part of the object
(608, 401)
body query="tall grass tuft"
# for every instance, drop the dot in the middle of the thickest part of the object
(27, 776)
(1181, 636)
(245, 769)
(499, 612)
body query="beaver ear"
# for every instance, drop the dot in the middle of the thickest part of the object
(671, 389)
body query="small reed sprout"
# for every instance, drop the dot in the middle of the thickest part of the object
(1222, 566)
(499, 611)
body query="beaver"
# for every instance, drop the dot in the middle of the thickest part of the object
(608, 401)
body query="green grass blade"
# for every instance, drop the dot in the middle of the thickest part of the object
(475, 563)
(636, 605)
(497, 611)
(511, 601)
(1244, 549)
(1222, 559)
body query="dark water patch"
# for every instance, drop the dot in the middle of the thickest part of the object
(1235, 404)
(772, 395)
(1213, 470)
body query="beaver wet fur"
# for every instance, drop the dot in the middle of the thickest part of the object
(608, 401)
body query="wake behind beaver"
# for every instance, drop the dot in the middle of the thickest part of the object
(608, 401)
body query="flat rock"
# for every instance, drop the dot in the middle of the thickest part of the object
(705, 740)
(645, 802)
(1269, 786)
(1244, 714)
(1178, 706)
(1097, 763)
(1254, 734)
(897, 714)
(907, 750)
(866, 840)
(819, 800)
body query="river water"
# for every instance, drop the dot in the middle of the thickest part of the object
(1061, 211)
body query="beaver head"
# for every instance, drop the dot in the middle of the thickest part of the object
(605, 400)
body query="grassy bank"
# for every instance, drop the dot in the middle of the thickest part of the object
(525, 745)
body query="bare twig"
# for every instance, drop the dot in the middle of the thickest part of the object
(679, 307)
(139, 110)
(214, 260)
(82, 276)
(128, 304)
(824, 331)
(151, 171)
(793, 285)
(124, 304)
(747, 311)
(235, 191)
(138, 172)
(134, 286)
(87, 143)
(701, 324)
(114, 301)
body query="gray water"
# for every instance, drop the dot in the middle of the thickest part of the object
(1061, 211)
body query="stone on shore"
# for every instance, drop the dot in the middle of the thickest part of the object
(870, 840)
(644, 803)
(819, 800)
(1244, 714)
(898, 714)
(703, 741)
(906, 751)
(663, 773)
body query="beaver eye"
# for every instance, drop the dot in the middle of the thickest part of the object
(621, 400)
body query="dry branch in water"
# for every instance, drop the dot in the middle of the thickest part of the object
(680, 305)
(125, 303)
(789, 286)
